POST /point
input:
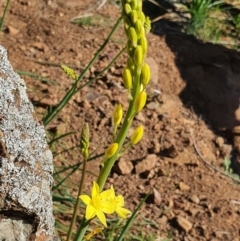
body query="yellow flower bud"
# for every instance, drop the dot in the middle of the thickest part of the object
(145, 74)
(144, 44)
(139, 7)
(137, 135)
(140, 101)
(127, 78)
(132, 36)
(130, 65)
(138, 56)
(111, 150)
(127, 23)
(117, 114)
(141, 16)
(127, 8)
(133, 16)
(147, 25)
(139, 28)
(130, 48)
(70, 72)
(135, 3)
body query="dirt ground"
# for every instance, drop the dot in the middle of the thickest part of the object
(192, 117)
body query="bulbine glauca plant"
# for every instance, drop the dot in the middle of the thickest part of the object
(135, 76)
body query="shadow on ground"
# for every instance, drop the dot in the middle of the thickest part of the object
(212, 76)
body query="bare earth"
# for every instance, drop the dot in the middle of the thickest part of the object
(192, 110)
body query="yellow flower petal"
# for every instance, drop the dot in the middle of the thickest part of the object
(108, 207)
(107, 194)
(95, 190)
(101, 217)
(86, 199)
(120, 201)
(90, 212)
(122, 212)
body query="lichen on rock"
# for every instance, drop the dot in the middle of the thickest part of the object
(25, 161)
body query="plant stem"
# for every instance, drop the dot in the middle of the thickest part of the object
(105, 171)
(76, 207)
(4, 13)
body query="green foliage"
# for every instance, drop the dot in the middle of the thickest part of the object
(206, 20)
(228, 170)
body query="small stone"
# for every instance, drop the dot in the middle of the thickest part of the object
(184, 224)
(11, 30)
(146, 164)
(219, 141)
(141, 187)
(157, 197)
(194, 198)
(124, 167)
(183, 186)
(152, 105)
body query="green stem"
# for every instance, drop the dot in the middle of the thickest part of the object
(76, 207)
(105, 171)
(72, 91)
(4, 13)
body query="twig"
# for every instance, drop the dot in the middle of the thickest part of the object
(208, 163)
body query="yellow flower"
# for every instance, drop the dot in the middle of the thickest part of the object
(118, 203)
(98, 204)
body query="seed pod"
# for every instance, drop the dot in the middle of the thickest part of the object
(127, 78)
(137, 135)
(111, 150)
(132, 36)
(140, 101)
(145, 74)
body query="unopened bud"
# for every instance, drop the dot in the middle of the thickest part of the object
(127, 23)
(70, 72)
(137, 135)
(135, 3)
(141, 16)
(127, 8)
(117, 114)
(111, 150)
(147, 25)
(84, 140)
(138, 56)
(144, 44)
(127, 78)
(130, 65)
(130, 48)
(133, 16)
(139, 28)
(133, 36)
(145, 74)
(140, 101)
